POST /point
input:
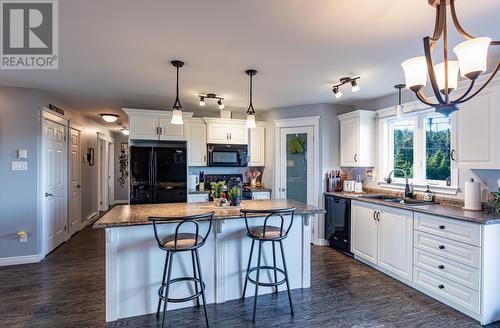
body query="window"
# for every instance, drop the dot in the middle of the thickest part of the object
(420, 145)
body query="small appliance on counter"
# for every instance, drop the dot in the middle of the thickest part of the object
(349, 185)
(193, 182)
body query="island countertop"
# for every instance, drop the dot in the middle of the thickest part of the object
(132, 215)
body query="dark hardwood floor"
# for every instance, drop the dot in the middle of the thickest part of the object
(67, 290)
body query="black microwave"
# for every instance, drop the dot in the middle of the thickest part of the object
(227, 155)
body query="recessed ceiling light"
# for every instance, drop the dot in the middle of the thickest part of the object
(109, 118)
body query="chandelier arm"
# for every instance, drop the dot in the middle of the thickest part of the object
(430, 69)
(471, 85)
(483, 86)
(460, 28)
(421, 96)
(438, 25)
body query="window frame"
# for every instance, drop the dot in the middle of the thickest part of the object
(386, 153)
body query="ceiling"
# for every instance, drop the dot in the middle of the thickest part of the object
(116, 53)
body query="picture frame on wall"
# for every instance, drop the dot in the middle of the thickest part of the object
(124, 146)
(90, 156)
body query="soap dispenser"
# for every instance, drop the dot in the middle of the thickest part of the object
(428, 195)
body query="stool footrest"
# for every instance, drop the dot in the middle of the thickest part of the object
(267, 284)
(185, 299)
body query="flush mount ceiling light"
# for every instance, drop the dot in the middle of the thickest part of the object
(399, 107)
(472, 56)
(177, 108)
(212, 96)
(125, 131)
(345, 80)
(109, 118)
(251, 111)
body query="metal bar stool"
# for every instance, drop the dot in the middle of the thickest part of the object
(274, 235)
(182, 242)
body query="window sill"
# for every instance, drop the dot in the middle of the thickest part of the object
(421, 187)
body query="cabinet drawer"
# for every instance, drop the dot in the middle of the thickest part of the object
(450, 249)
(459, 273)
(451, 291)
(453, 229)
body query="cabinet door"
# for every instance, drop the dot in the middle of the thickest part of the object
(349, 142)
(476, 132)
(197, 144)
(238, 135)
(218, 134)
(171, 131)
(395, 242)
(143, 127)
(257, 146)
(364, 233)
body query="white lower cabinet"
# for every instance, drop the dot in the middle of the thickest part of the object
(383, 236)
(261, 195)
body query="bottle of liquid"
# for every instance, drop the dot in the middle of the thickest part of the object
(428, 195)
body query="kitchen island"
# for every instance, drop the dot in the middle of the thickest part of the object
(134, 263)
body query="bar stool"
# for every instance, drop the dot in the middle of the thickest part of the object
(273, 234)
(182, 242)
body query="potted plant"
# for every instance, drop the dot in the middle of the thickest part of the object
(217, 192)
(234, 196)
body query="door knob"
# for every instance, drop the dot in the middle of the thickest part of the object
(48, 195)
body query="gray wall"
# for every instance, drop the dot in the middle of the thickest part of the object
(19, 129)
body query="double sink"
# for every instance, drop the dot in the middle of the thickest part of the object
(400, 200)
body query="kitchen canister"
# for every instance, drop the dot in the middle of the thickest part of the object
(472, 198)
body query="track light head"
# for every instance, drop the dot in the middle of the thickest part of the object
(355, 86)
(337, 92)
(202, 101)
(220, 103)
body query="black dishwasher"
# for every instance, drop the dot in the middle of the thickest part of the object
(338, 223)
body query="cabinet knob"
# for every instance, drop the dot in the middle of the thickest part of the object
(441, 286)
(355, 157)
(442, 227)
(452, 154)
(441, 267)
(441, 246)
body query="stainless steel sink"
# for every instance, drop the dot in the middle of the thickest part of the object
(393, 199)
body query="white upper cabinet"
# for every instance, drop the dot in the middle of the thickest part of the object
(257, 146)
(356, 138)
(226, 131)
(196, 142)
(147, 124)
(476, 131)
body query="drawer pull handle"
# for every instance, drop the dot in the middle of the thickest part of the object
(441, 267)
(442, 227)
(441, 286)
(441, 246)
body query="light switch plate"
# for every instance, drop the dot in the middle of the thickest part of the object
(19, 166)
(22, 153)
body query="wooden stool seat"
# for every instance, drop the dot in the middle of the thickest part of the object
(270, 232)
(184, 240)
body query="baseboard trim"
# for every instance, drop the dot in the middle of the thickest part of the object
(121, 201)
(16, 260)
(89, 220)
(321, 242)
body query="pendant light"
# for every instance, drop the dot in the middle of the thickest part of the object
(399, 107)
(251, 111)
(177, 112)
(472, 56)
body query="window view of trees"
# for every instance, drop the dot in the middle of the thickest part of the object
(403, 150)
(437, 148)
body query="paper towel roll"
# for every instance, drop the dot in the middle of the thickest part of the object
(472, 200)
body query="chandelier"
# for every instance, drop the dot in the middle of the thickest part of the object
(472, 57)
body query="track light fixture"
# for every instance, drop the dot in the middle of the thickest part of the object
(211, 96)
(345, 80)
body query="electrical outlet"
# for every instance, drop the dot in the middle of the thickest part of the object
(19, 166)
(22, 153)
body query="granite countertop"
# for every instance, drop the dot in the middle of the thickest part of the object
(130, 215)
(454, 212)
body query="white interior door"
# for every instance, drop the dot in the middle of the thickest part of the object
(55, 206)
(103, 175)
(296, 164)
(111, 174)
(75, 215)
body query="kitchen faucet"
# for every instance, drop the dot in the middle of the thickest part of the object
(408, 190)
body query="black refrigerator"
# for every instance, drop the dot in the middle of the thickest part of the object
(158, 172)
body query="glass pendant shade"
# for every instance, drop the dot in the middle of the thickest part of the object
(472, 55)
(415, 73)
(176, 117)
(452, 75)
(250, 121)
(399, 111)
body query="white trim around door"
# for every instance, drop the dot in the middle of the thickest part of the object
(310, 123)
